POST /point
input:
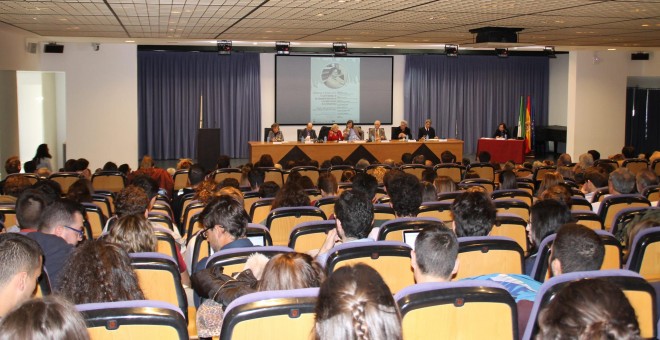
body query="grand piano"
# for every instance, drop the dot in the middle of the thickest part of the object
(550, 133)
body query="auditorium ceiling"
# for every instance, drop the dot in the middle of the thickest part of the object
(623, 23)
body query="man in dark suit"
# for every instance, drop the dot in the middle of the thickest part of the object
(402, 131)
(427, 131)
(308, 132)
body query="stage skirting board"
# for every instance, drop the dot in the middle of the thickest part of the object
(374, 152)
(503, 150)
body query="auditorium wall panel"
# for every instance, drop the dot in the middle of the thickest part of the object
(101, 101)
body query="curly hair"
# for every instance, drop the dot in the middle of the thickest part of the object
(204, 191)
(80, 191)
(13, 165)
(50, 317)
(355, 212)
(15, 185)
(291, 195)
(131, 200)
(355, 303)
(406, 194)
(474, 214)
(99, 271)
(133, 233)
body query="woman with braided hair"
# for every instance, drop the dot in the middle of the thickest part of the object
(99, 271)
(355, 303)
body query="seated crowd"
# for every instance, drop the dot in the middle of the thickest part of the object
(48, 243)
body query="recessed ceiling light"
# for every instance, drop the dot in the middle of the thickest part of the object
(130, 41)
(175, 12)
(390, 45)
(319, 15)
(611, 49)
(376, 47)
(645, 25)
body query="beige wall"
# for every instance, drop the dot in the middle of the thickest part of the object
(13, 44)
(101, 101)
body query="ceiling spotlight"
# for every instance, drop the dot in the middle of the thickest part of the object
(282, 47)
(502, 52)
(549, 51)
(451, 50)
(340, 49)
(224, 47)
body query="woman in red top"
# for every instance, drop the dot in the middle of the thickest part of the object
(334, 134)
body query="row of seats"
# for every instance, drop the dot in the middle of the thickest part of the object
(464, 309)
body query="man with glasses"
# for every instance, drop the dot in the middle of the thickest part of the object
(60, 231)
(225, 226)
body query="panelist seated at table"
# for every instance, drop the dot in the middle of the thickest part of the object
(308, 133)
(335, 134)
(275, 134)
(426, 132)
(377, 133)
(402, 131)
(502, 132)
(352, 132)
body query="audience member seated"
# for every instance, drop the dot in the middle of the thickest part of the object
(362, 164)
(306, 183)
(645, 179)
(284, 271)
(594, 178)
(162, 178)
(150, 187)
(446, 157)
(269, 189)
(110, 166)
(15, 185)
(435, 259)
(508, 180)
(225, 225)
(558, 192)
(29, 208)
(291, 195)
(444, 184)
(196, 175)
(20, 266)
(49, 318)
(549, 179)
(483, 157)
(576, 248)
(588, 309)
(564, 160)
(628, 152)
(367, 184)
(347, 176)
(205, 191)
(650, 218)
(60, 231)
(355, 303)
(224, 162)
(81, 191)
(99, 271)
(474, 214)
(82, 167)
(327, 184)
(546, 217)
(354, 215)
(428, 192)
(12, 166)
(621, 181)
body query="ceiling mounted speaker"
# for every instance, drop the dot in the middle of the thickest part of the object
(639, 56)
(224, 47)
(53, 48)
(496, 34)
(340, 49)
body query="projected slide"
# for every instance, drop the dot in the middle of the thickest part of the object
(327, 90)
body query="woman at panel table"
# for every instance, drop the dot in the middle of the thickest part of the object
(275, 135)
(502, 132)
(334, 134)
(352, 132)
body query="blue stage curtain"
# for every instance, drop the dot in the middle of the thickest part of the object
(170, 85)
(467, 97)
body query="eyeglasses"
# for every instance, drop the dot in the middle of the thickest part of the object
(204, 231)
(80, 233)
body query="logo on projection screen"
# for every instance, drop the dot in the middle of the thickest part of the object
(333, 76)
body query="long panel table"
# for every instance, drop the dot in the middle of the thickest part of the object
(503, 150)
(374, 152)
